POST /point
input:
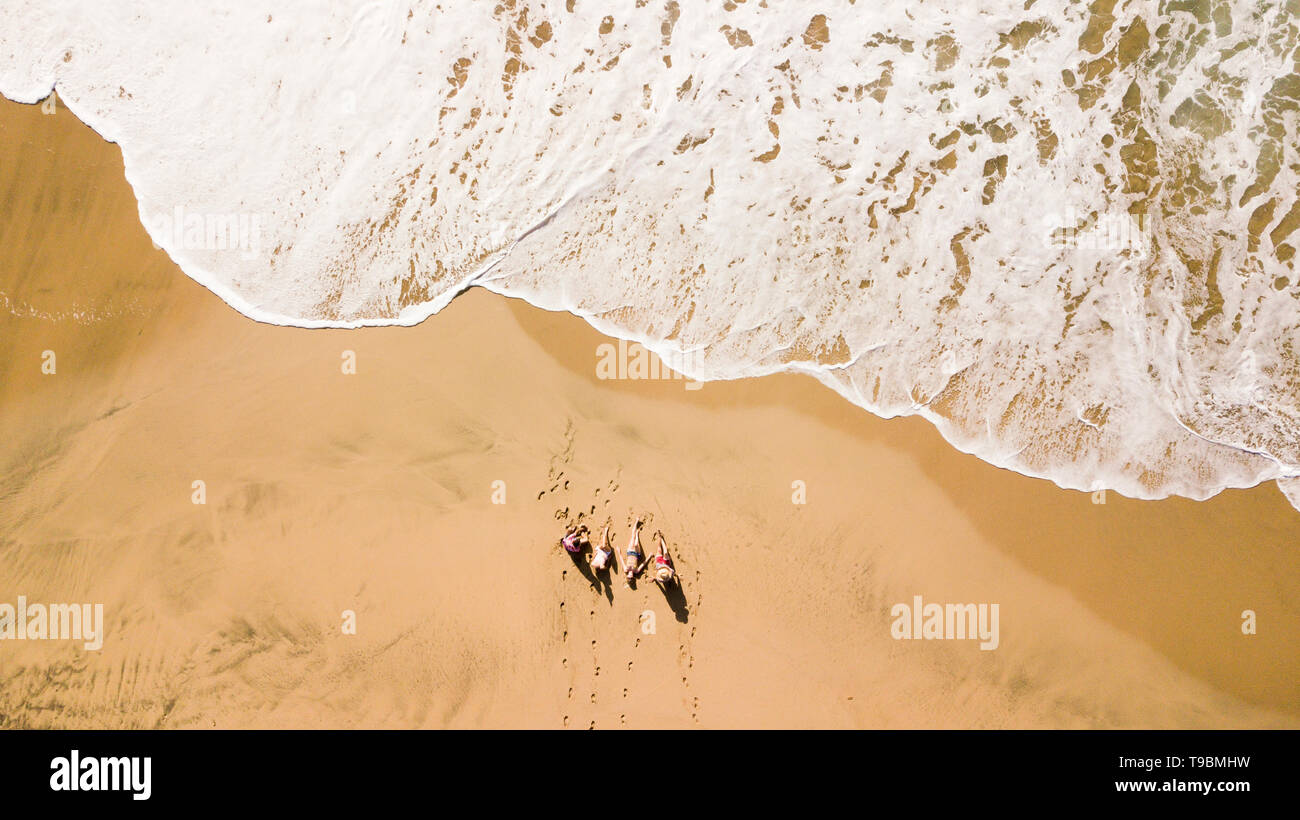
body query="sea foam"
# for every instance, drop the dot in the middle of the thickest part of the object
(1065, 233)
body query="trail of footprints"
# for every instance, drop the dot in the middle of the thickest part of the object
(555, 477)
(564, 659)
(686, 659)
(564, 640)
(593, 696)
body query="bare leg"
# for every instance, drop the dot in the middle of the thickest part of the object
(663, 547)
(604, 548)
(609, 544)
(631, 569)
(636, 537)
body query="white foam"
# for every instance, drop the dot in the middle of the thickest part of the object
(392, 156)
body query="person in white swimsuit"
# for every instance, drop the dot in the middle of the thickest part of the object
(599, 559)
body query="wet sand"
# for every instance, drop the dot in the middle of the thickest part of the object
(374, 493)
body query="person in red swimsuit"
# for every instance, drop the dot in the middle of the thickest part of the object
(664, 571)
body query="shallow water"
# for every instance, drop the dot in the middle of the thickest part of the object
(1064, 232)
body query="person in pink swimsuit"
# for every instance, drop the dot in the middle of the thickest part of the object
(575, 539)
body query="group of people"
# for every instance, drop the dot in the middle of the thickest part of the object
(576, 540)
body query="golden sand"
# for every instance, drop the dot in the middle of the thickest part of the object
(373, 493)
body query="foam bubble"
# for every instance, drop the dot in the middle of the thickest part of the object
(1064, 234)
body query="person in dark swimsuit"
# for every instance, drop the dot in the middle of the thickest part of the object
(636, 560)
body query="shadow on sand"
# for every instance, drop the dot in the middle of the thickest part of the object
(599, 580)
(675, 595)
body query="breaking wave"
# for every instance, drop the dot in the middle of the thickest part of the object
(1063, 232)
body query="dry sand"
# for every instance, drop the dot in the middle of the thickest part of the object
(373, 493)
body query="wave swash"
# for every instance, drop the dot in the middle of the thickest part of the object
(1063, 232)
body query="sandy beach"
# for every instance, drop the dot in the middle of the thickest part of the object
(424, 493)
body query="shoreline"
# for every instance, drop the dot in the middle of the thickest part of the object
(372, 493)
(1021, 513)
(414, 315)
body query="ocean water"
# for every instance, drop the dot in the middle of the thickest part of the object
(1064, 232)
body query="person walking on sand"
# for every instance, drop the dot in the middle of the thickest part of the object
(636, 559)
(575, 539)
(664, 571)
(599, 559)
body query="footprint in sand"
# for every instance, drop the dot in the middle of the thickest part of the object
(635, 643)
(685, 656)
(566, 720)
(564, 626)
